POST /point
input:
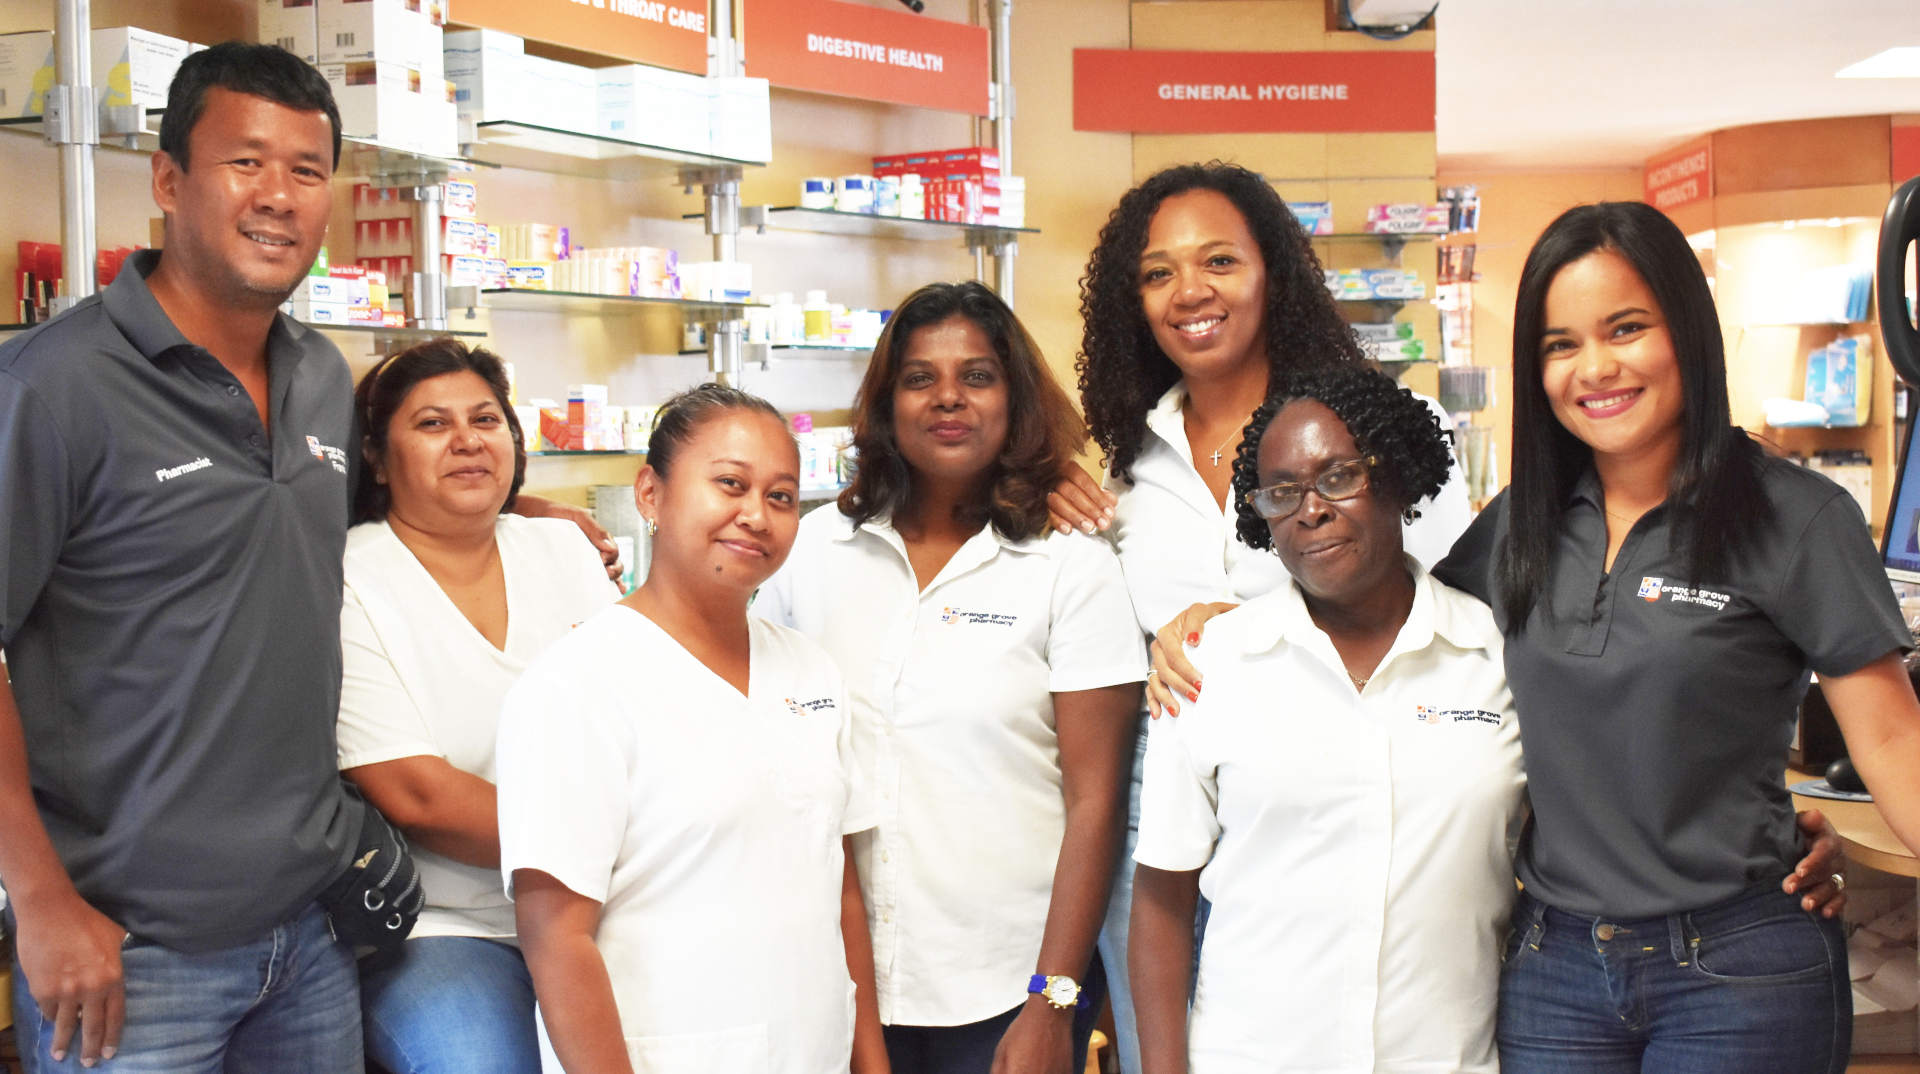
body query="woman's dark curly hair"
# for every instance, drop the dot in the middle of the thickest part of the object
(1386, 421)
(1042, 430)
(1123, 372)
(377, 400)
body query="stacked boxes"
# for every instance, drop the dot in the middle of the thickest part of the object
(26, 72)
(384, 60)
(1368, 285)
(962, 185)
(131, 66)
(293, 25)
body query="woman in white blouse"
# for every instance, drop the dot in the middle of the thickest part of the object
(994, 674)
(447, 599)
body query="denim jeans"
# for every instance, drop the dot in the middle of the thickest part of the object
(1754, 985)
(284, 1002)
(1113, 931)
(451, 1005)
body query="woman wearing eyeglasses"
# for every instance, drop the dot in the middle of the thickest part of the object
(1356, 718)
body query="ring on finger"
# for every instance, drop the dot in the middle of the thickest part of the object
(1839, 882)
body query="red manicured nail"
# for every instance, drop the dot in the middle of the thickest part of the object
(1193, 638)
(1195, 696)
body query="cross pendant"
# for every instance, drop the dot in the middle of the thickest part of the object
(1216, 456)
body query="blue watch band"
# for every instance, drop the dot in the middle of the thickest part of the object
(1037, 986)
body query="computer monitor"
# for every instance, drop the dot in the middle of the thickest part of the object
(1900, 539)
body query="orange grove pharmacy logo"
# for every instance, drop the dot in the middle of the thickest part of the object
(326, 453)
(957, 615)
(1425, 714)
(1650, 589)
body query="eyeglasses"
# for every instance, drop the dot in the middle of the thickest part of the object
(1341, 481)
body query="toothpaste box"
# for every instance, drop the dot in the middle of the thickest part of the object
(329, 313)
(1315, 216)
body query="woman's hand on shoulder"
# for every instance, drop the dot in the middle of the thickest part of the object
(1816, 877)
(1173, 675)
(1077, 502)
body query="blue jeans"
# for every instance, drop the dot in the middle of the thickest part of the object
(286, 1001)
(1113, 931)
(454, 1004)
(1754, 985)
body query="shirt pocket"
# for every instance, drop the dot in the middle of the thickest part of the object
(739, 1050)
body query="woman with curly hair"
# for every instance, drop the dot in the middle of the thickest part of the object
(1202, 293)
(994, 675)
(1390, 683)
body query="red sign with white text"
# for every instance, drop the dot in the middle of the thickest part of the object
(1680, 177)
(828, 46)
(1906, 152)
(1162, 92)
(664, 33)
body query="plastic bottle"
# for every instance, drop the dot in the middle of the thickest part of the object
(818, 317)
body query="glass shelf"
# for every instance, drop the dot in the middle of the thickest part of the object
(359, 157)
(385, 332)
(596, 156)
(518, 300)
(872, 225)
(760, 352)
(824, 492)
(563, 454)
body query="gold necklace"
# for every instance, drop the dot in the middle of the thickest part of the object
(1359, 684)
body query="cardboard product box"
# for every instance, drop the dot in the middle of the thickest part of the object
(26, 72)
(317, 312)
(484, 67)
(378, 102)
(653, 106)
(558, 95)
(439, 120)
(378, 31)
(459, 198)
(740, 118)
(135, 66)
(294, 25)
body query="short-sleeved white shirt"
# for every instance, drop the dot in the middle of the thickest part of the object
(1354, 845)
(952, 688)
(418, 679)
(707, 824)
(1179, 548)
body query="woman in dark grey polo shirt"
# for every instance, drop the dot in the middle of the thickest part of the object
(1665, 586)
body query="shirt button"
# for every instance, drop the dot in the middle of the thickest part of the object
(254, 439)
(886, 919)
(1603, 932)
(885, 856)
(233, 390)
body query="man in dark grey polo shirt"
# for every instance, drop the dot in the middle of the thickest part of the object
(174, 463)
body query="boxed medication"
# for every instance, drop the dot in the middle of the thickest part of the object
(381, 31)
(740, 119)
(484, 67)
(293, 25)
(378, 102)
(26, 72)
(652, 106)
(1315, 216)
(132, 66)
(557, 95)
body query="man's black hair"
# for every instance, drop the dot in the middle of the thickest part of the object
(267, 71)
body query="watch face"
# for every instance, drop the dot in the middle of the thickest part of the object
(1061, 991)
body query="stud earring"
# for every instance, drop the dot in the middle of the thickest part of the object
(652, 527)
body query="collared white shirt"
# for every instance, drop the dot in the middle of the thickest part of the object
(1178, 547)
(419, 680)
(1354, 844)
(952, 689)
(708, 825)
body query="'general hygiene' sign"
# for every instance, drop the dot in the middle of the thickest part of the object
(1164, 92)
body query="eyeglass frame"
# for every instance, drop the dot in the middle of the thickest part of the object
(1365, 462)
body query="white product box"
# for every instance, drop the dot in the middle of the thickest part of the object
(324, 290)
(557, 95)
(653, 106)
(740, 118)
(377, 101)
(318, 312)
(293, 25)
(23, 86)
(459, 198)
(484, 67)
(135, 66)
(382, 31)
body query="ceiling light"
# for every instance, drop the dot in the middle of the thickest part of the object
(1901, 62)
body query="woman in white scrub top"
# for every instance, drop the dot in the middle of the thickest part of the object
(673, 839)
(1358, 719)
(994, 673)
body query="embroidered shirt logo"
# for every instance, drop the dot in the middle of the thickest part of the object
(1652, 589)
(168, 473)
(326, 453)
(956, 615)
(1434, 717)
(801, 708)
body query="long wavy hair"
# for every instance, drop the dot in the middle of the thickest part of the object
(1714, 491)
(1123, 372)
(1042, 429)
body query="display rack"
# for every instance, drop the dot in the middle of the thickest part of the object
(527, 147)
(520, 300)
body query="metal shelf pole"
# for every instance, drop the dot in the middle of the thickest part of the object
(73, 125)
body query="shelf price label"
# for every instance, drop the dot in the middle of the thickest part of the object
(1680, 177)
(664, 33)
(850, 50)
(1183, 92)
